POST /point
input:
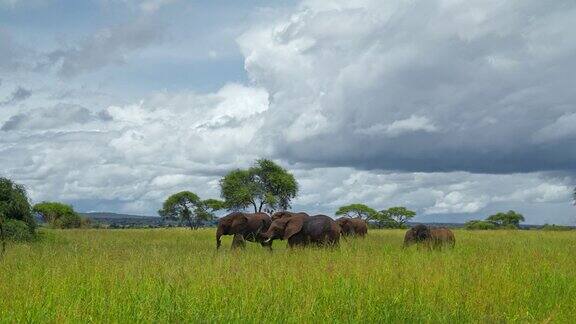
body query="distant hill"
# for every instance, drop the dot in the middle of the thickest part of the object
(99, 215)
(115, 220)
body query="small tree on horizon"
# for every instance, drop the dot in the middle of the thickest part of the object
(58, 215)
(264, 185)
(357, 211)
(399, 214)
(187, 207)
(509, 218)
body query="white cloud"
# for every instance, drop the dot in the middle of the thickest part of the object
(142, 151)
(410, 125)
(456, 202)
(564, 127)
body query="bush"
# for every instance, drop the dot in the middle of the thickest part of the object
(554, 227)
(479, 225)
(17, 230)
(67, 221)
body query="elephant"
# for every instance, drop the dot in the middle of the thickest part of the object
(432, 237)
(352, 226)
(282, 214)
(302, 230)
(243, 226)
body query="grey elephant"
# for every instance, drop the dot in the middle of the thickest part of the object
(243, 226)
(435, 238)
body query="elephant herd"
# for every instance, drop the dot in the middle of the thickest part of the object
(301, 229)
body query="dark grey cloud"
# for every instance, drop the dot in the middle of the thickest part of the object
(20, 94)
(57, 116)
(421, 86)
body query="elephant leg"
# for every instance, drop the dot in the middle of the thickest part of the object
(296, 241)
(238, 241)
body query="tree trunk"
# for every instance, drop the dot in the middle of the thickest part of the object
(190, 223)
(2, 239)
(255, 208)
(260, 208)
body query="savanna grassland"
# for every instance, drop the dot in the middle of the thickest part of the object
(176, 275)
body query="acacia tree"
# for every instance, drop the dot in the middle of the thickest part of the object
(187, 207)
(58, 215)
(510, 218)
(399, 215)
(357, 210)
(265, 184)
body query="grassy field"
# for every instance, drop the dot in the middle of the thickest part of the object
(175, 275)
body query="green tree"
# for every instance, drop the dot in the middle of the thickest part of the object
(58, 215)
(479, 225)
(510, 218)
(400, 215)
(265, 184)
(14, 203)
(357, 210)
(187, 207)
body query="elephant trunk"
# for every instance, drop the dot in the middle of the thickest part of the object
(219, 233)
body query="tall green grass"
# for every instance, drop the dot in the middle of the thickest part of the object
(176, 275)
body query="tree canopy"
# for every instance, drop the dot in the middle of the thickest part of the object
(187, 207)
(214, 204)
(58, 215)
(264, 185)
(394, 217)
(479, 225)
(14, 203)
(399, 214)
(357, 210)
(510, 218)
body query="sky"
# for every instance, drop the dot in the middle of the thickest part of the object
(456, 109)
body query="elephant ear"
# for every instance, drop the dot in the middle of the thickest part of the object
(239, 220)
(422, 232)
(293, 226)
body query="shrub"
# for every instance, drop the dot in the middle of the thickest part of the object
(67, 221)
(17, 230)
(554, 227)
(479, 225)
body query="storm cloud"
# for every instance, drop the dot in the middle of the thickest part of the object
(479, 86)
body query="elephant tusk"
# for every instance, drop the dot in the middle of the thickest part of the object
(268, 240)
